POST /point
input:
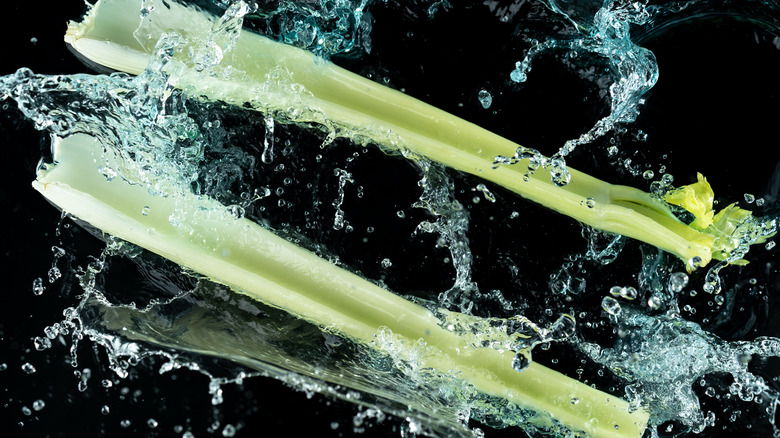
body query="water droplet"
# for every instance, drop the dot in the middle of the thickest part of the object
(719, 300)
(26, 410)
(386, 263)
(28, 368)
(489, 196)
(38, 286)
(590, 202)
(42, 343)
(648, 174)
(629, 293)
(125, 423)
(615, 291)
(654, 302)
(574, 400)
(188, 434)
(760, 202)
(54, 274)
(152, 423)
(145, 211)
(677, 281)
(38, 405)
(520, 362)
(401, 214)
(236, 211)
(229, 431)
(105, 410)
(749, 198)
(770, 244)
(611, 306)
(485, 98)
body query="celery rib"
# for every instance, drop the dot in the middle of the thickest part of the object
(254, 261)
(114, 35)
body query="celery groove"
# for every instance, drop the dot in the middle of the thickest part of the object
(114, 35)
(254, 261)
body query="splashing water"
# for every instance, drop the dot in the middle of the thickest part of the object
(613, 313)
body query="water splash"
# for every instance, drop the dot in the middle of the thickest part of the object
(604, 33)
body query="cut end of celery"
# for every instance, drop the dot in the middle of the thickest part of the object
(115, 35)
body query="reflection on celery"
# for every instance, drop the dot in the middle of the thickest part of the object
(208, 239)
(213, 59)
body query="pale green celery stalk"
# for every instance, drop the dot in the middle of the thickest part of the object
(251, 260)
(275, 77)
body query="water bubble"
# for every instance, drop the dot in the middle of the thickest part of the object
(611, 306)
(145, 211)
(386, 263)
(125, 423)
(188, 434)
(152, 423)
(760, 202)
(107, 383)
(105, 410)
(3, 366)
(38, 405)
(574, 400)
(648, 174)
(28, 368)
(485, 98)
(719, 300)
(590, 202)
(26, 410)
(615, 291)
(229, 431)
(400, 214)
(749, 198)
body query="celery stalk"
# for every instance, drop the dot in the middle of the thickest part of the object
(274, 77)
(251, 260)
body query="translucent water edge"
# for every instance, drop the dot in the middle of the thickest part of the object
(653, 349)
